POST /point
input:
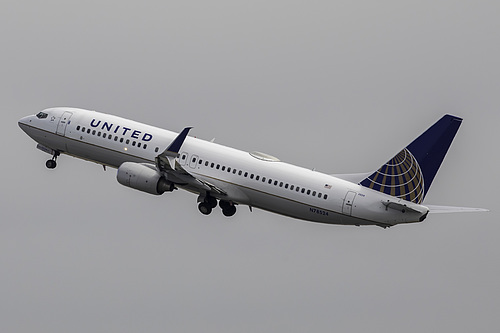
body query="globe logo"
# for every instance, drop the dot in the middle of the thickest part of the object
(400, 177)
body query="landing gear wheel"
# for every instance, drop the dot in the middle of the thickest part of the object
(205, 208)
(229, 211)
(211, 201)
(51, 164)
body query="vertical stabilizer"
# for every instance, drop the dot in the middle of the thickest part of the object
(410, 173)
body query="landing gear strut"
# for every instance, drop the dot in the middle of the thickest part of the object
(51, 164)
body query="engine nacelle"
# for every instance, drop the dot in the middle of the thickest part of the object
(143, 177)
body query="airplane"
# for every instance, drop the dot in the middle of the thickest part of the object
(155, 161)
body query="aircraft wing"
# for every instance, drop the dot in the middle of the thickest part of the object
(433, 209)
(167, 164)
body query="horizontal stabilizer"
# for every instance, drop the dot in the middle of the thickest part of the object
(450, 209)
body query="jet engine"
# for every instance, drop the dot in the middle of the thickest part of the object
(143, 177)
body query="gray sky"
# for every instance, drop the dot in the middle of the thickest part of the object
(337, 85)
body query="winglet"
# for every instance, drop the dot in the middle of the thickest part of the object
(175, 146)
(166, 160)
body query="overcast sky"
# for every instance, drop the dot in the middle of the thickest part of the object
(340, 86)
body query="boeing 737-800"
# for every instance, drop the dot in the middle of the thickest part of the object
(156, 161)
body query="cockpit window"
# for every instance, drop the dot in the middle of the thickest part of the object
(41, 115)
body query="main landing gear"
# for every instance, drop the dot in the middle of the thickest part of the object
(208, 203)
(228, 208)
(51, 164)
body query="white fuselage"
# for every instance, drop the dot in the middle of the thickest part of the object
(248, 179)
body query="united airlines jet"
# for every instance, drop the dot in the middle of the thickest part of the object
(156, 161)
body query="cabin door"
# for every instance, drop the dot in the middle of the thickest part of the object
(63, 122)
(348, 202)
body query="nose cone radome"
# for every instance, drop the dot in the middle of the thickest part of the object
(25, 122)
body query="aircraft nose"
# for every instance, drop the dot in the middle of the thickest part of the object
(23, 122)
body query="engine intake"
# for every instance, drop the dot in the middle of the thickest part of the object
(143, 177)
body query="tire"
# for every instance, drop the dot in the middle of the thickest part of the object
(211, 201)
(51, 164)
(229, 211)
(204, 208)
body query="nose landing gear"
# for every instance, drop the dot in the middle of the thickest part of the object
(51, 164)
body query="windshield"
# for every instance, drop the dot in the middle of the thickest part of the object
(41, 115)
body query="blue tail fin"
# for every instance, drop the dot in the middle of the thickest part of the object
(409, 174)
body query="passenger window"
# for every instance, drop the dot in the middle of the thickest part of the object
(156, 149)
(138, 144)
(116, 138)
(297, 189)
(286, 185)
(263, 179)
(200, 162)
(121, 140)
(251, 176)
(212, 165)
(319, 195)
(269, 181)
(145, 146)
(303, 190)
(240, 172)
(133, 143)
(206, 163)
(223, 168)
(127, 142)
(78, 127)
(110, 136)
(228, 169)
(325, 196)
(314, 193)
(83, 129)
(98, 133)
(308, 192)
(275, 182)
(281, 184)
(234, 171)
(291, 187)
(246, 174)
(218, 166)
(88, 131)
(257, 177)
